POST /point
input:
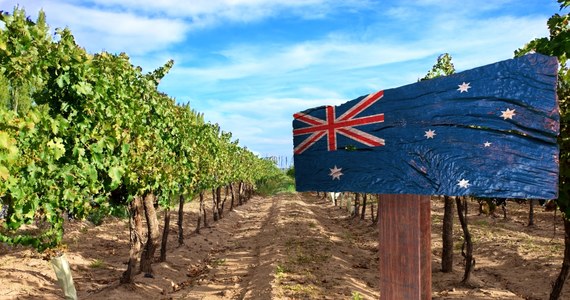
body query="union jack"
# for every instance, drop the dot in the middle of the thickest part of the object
(343, 125)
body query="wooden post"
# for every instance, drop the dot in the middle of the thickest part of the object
(405, 247)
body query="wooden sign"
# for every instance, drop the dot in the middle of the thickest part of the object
(490, 132)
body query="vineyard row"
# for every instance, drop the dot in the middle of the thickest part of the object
(85, 133)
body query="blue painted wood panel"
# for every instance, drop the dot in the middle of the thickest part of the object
(489, 132)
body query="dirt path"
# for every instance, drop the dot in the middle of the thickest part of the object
(281, 247)
(290, 247)
(285, 247)
(236, 269)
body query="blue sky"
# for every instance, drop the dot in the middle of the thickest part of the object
(250, 64)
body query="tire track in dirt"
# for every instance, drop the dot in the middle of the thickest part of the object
(326, 254)
(235, 270)
(289, 246)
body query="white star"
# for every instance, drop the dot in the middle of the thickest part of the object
(430, 134)
(463, 87)
(463, 183)
(508, 114)
(336, 173)
(487, 144)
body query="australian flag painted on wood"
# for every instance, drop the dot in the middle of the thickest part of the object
(489, 132)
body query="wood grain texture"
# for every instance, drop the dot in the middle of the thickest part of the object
(488, 132)
(405, 247)
(425, 246)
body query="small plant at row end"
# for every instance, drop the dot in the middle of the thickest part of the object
(357, 296)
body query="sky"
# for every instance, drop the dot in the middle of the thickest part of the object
(249, 65)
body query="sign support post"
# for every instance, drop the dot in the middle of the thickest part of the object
(405, 247)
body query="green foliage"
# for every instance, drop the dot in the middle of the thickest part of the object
(442, 67)
(96, 264)
(291, 172)
(96, 125)
(279, 183)
(558, 44)
(22, 42)
(356, 296)
(280, 270)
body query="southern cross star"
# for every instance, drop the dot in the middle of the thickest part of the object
(464, 87)
(463, 183)
(508, 114)
(430, 134)
(487, 144)
(336, 173)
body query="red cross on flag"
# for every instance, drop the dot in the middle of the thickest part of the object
(344, 125)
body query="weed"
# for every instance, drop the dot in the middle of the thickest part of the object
(557, 248)
(280, 270)
(436, 219)
(218, 262)
(96, 264)
(357, 296)
(307, 290)
(481, 223)
(458, 245)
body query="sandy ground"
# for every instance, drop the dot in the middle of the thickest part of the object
(290, 247)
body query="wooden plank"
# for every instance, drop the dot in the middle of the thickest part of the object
(425, 246)
(444, 136)
(405, 251)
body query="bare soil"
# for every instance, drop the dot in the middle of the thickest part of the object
(291, 247)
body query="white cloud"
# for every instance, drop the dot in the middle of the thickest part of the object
(263, 123)
(348, 57)
(483, 42)
(333, 53)
(279, 106)
(98, 30)
(337, 68)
